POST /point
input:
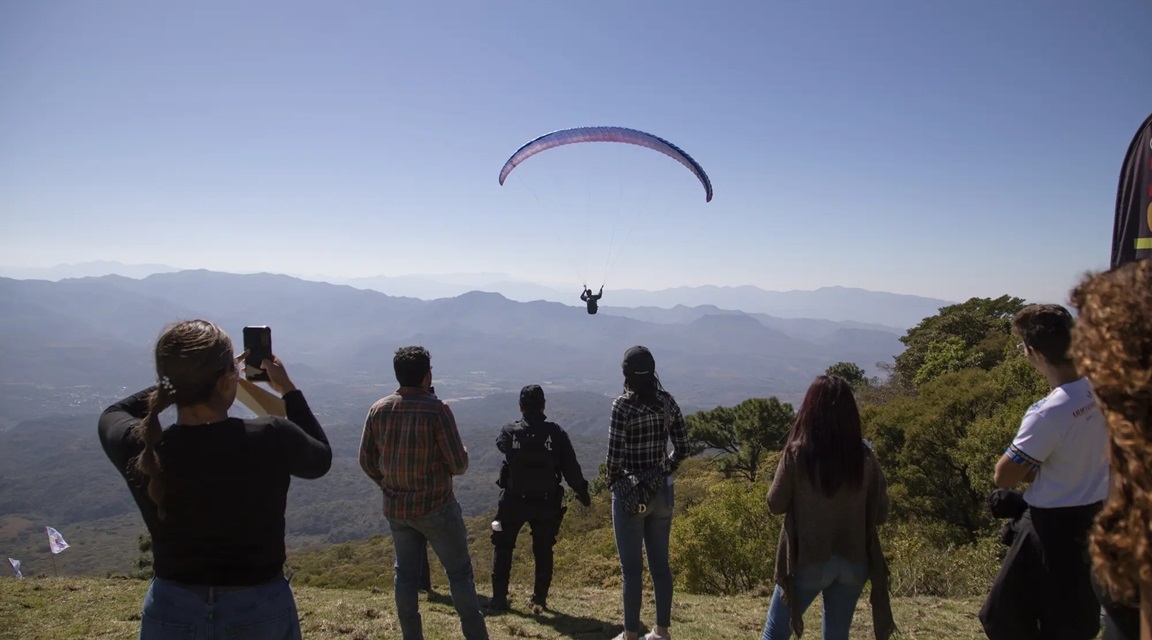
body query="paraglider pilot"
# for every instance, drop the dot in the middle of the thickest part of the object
(591, 298)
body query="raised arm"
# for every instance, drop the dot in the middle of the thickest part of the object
(307, 451)
(115, 427)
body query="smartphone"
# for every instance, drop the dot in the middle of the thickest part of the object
(258, 344)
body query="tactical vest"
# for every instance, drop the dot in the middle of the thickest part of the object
(531, 463)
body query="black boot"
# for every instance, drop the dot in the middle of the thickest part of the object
(499, 599)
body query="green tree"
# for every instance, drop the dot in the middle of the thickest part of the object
(939, 448)
(974, 333)
(741, 434)
(851, 372)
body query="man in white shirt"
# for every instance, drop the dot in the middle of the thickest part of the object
(1061, 448)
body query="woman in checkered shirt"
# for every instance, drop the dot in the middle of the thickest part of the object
(644, 418)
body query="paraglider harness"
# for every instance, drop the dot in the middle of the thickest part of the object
(590, 298)
(529, 469)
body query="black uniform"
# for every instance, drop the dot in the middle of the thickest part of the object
(591, 298)
(537, 454)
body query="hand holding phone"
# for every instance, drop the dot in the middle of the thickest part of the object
(277, 377)
(258, 344)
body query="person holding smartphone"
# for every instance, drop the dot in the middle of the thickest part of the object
(212, 489)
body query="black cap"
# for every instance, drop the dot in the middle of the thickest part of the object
(638, 361)
(532, 396)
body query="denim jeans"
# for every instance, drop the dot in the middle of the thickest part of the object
(841, 582)
(443, 528)
(648, 532)
(425, 582)
(263, 612)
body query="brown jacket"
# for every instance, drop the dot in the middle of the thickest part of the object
(843, 525)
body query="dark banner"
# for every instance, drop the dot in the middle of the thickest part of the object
(1132, 232)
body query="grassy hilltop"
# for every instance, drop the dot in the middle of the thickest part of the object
(107, 609)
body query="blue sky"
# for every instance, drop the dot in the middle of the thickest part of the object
(949, 149)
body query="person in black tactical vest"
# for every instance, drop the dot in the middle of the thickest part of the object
(537, 454)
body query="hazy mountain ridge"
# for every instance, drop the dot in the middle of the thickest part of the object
(897, 311)
(481, 341)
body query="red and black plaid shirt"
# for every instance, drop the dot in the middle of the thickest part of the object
(411, 449)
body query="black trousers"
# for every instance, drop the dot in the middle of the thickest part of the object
(1012, 609)
(1070, 607)
(544, 517)
(1045, 589)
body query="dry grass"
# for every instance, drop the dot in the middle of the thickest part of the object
(43, 608)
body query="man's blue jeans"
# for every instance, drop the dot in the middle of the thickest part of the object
(263, 612)
(443, 528)
(841, 582)
(645, 532)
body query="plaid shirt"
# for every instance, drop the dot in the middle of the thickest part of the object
(638, 436)
(411, 449)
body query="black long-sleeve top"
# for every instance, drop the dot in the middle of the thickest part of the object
(225, 486)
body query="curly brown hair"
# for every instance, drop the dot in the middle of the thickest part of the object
(1112, 346)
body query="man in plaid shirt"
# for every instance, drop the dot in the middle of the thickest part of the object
(411, 449)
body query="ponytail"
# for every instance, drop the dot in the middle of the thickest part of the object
(149, 432)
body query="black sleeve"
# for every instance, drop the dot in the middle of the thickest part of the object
(115, 427)
(308, 454)
(504, 440)
(569, 465)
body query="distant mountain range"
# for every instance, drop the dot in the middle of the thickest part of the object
(841, 304)
(99, 331)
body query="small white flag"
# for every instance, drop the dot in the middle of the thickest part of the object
(15, 567)
(56, 541)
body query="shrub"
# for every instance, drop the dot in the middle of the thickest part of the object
(927, 560)
(727, 543)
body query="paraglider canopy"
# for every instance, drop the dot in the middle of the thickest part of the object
(607, 134)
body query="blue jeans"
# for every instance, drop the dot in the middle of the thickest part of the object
(841, 582)
(262, 612)
(645, 532)
(425, 582)
(443, 528)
